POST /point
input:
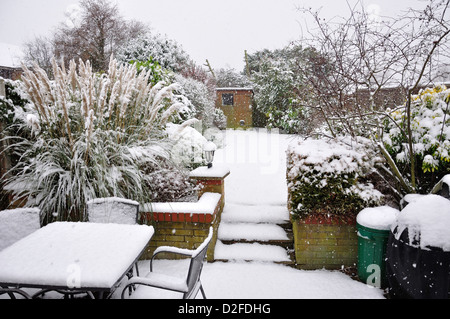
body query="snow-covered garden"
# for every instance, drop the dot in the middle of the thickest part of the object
(257, 163)
(326, 154)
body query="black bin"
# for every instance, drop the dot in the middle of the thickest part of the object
(414, 269)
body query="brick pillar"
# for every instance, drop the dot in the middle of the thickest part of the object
(211, 180)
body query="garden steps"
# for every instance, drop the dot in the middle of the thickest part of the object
(244, 213)
(255, 233)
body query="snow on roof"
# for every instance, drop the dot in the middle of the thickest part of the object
(10, 55)
(234, 89)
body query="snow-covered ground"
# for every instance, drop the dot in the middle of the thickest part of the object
(257, 164)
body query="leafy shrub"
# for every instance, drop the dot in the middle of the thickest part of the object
(430, 126)
(328, 178)
(90, 135)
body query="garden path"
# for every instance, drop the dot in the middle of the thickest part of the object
(255, 221)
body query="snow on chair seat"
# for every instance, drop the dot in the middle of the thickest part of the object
(18, 223)
(190, 286)
(112, 210)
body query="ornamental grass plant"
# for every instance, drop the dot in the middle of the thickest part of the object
(86, 135)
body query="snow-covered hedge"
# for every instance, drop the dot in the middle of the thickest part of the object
(430, 126)
(327, 178)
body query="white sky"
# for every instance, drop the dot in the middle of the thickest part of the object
(217, 30)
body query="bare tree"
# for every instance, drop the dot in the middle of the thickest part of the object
(358, 59)
(98, 34)
(94, 34)
(41, 51)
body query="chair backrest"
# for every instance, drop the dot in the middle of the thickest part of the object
(112, 210)
(196, 264)
(18, 223)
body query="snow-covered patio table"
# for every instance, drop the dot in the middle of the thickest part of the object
(74, 257)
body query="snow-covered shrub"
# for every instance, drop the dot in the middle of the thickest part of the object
(158, 74)
(8, 105)
(227, 78)
(327, 178)
(171, 185)
(90, 135)
(201, 98)
(281, 93)
(168, 53)
(187, 149)
(430, 126)
(11, 101)
(219, 119)
(216, 135)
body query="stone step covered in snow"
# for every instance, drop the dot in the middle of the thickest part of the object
(250, 252)
(255, 233)
(251, 232)
(241, 213)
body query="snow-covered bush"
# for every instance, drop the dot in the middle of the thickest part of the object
(170, 185)
(216, 135)
(168, 53)
(430, 126)
(187, 148)
(201, 98)
(219, 119)
(8, 103)
(280, 90)
(90, 135)
(327, 178)
(226, 78)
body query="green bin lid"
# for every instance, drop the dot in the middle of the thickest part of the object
(377, 218)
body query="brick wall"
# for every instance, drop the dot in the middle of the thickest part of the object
(183, 225)
(325, 244)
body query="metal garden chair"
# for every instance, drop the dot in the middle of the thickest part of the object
(188, 286)
(16, 224)
(114, 210)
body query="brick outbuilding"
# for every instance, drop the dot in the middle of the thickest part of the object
(236, 103)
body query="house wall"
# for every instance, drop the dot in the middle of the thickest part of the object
(10, 73)
(241, 110)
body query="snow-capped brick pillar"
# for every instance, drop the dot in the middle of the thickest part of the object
(211, 180)
(325, 243)
(183, 224)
